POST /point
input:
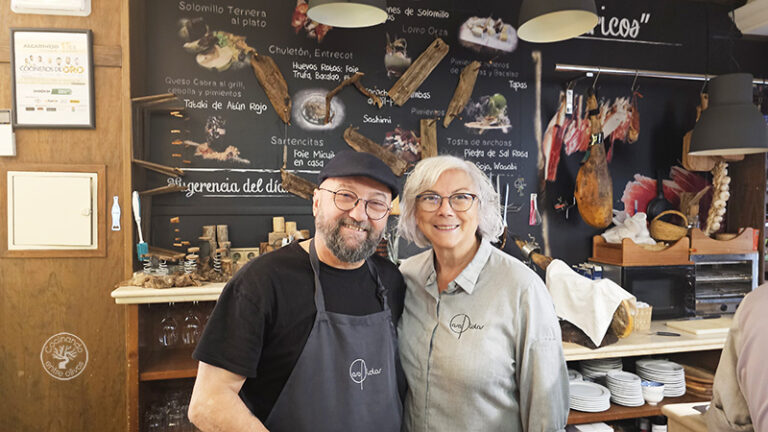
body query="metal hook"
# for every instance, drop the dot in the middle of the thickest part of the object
(637, 72)
(703, 86)
(572, 83)
(596, 77)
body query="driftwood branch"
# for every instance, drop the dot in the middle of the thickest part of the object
(363, 90)
(152, 98)
(163, 190)
(418, 72)
(463, 92)
(164, 254)
(294, 184)
(361, 143)
(297, 185)
(353, 80)
(428, 138)
(274, 85)
(162, 169)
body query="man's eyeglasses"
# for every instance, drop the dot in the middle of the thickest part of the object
(346, 200)
(459, 202)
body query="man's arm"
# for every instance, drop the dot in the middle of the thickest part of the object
(215, 404)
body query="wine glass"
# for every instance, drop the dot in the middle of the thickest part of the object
(155, 419)
(190, 333)
(168, 335)
(175, 417)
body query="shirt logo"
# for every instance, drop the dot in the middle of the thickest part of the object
(461, 323)
(358, 372)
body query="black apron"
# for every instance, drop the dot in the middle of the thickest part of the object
(345, 378)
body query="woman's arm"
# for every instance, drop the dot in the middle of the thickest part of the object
(542, 372)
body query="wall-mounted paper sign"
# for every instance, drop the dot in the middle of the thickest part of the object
(52, 78)
(52, 7)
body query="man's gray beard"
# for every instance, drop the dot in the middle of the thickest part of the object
(334, 241)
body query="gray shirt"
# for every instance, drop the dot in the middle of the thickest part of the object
(740, 392)
(486, 353)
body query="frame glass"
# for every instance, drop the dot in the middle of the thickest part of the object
(52, 73)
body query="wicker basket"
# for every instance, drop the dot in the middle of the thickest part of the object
(643, 319)
(665, 231)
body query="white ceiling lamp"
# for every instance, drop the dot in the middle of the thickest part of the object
(752, 18)
(348, 13)
(555, 20)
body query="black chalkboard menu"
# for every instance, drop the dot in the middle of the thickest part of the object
(230, 140)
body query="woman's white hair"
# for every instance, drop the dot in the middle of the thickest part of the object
(425, 175)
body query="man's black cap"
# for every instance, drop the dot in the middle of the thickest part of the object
(351, 163)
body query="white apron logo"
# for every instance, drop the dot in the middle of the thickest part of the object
(359, 373)
(461, 323)
(64, 356)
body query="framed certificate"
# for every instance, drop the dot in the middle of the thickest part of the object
(52, 71)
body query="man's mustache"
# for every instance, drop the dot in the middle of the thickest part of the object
(360, 225)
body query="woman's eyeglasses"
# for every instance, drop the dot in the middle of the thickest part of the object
(459, 202)
(346, 200)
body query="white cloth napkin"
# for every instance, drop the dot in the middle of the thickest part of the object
(632, 227)
(588, 304)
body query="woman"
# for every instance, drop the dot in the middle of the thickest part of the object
(479, 340)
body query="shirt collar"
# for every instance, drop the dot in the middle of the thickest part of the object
(467, 279)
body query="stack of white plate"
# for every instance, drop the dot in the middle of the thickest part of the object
(598, 368)
(625, 388)
(663, 371)
(589, 397)
(574, 375)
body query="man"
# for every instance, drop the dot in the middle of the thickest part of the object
(303, 338)
(740, 393)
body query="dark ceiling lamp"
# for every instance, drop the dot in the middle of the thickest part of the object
(348, 13)
(732, 125)
(555, 20)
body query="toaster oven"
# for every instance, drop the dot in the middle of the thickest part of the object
(722, 281)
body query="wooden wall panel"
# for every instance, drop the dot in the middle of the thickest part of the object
(43, 297)
(746, 206)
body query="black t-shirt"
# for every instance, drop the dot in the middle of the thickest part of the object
(265, 313)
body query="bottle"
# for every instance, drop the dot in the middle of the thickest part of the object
(659, 424)
(693, 220)
(534, 218)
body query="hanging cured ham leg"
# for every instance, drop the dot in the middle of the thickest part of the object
(594, 187)
(553, 142)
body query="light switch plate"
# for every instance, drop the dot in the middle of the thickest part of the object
(7, 137)
(7, 140)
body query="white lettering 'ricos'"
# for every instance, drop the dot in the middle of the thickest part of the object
(359, 373)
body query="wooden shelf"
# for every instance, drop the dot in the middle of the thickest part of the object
(138, 295)
(643, 343)
(618, 412)
(167, 364)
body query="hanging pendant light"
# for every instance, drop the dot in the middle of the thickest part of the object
(555, 20)
(732, 125)
(348, 13)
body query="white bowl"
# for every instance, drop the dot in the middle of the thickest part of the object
(653, 392)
